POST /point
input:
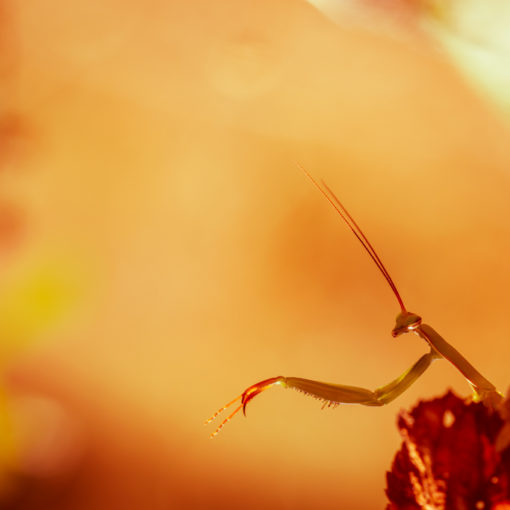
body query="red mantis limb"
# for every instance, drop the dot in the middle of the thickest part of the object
(245, 397)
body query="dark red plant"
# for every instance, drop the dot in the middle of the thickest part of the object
(455, 455)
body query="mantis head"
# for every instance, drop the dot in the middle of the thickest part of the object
(406, 321)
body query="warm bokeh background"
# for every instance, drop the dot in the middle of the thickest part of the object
(160, 250)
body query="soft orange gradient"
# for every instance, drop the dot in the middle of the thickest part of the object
(163, 251)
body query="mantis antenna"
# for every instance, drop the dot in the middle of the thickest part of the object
(334, 394)
(356, 230)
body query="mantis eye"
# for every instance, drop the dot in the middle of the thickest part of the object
(406, 321)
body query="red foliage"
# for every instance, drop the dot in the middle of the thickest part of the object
(454, 455)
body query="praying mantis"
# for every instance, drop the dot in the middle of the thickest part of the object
(406, 322)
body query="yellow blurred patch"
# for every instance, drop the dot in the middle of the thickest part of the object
(34, 300)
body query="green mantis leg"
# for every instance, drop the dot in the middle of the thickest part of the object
(391, 391)
(483, 389)
(333, 394)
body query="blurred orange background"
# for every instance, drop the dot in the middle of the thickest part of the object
(160, 250)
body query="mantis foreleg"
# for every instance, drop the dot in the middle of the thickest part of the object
(482, 388)
(335, 394)
(391, 391)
